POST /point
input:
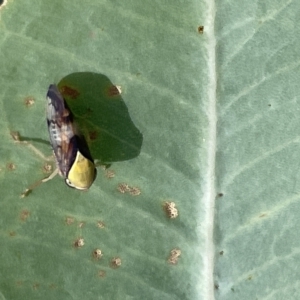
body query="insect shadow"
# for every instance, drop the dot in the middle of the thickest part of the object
(102, 116)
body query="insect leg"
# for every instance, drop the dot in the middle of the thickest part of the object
(37, 183)
(54, 173)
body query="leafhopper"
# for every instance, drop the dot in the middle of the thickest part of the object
(73, 159)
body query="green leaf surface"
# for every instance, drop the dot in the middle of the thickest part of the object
(207, 120)
(154, 55)
(257, 162)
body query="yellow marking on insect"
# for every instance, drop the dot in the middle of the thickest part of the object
(82, 173)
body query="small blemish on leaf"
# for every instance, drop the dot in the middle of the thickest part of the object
(10, 166)
(114, 90)
(109, 174)
(221, 252)
(69, 220)
(249, 277)
(105, 166)
(81, 224)
(216, 286)
(134, 191)
(262, 215)
(36, 286)
(125, 188)
(97, 254)
(69, 92)
(79, 243)
(200, 29)
(115, 262)
(29, 101)
(170, 210)
(24, 214)
(47, 168)
(220, 195)
(100, 224)
(12, 233)
(101, 274)
(93, 135)
(174, 256)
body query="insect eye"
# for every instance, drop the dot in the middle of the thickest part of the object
(69, 183)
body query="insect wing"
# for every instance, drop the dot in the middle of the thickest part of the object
(61, 131)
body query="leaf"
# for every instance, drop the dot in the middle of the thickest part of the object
(258, 149)
(204, 203)
(50, 237)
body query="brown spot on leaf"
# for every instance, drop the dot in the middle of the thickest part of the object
(109, 174)
(10, 166)
(79, 243)
(174, 256)
(114, 90)
(200, 29)
(134, 191)
(69, 92)
(115, 262)
(47, 168)
(100, 224)
(97, 254)
(125, 188)
(101, 273)
(93, 135)
(170, 210)
(69, 220)
(29, 101)
(24, 214)
(81, 224)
